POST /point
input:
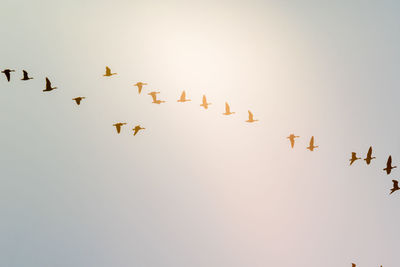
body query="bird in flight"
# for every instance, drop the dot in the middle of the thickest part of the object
(137, 129)
(353, 157)
(118, 126)
(78, 99)
(48, 86)
(389, 166)
(205, 104)
(183, 98)
(311, 147)
(108, 72)
(140, 86)
(395, 186)
(251, 117)
(227, 109)
(154, 96)
(291, 137)
(26, 77)
(369, 156)
(7, 73)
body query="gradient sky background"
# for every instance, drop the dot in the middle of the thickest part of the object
(197, 188)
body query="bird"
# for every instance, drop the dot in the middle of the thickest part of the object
(311, 147)
(205, 104)
(291, 137)
(118, 126)
(7, 73)
(369, 156)
(26, 77)
(108, 72)
(227, 109)
(395, 186)
(389, 166)
(353, 265)
(251, 117)
(353, 157)
(78, 99)
(48, 86)
(137, 129)
(140, 86)
(154, 96)
(183, 98)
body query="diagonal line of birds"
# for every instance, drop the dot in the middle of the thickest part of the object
(205, 104)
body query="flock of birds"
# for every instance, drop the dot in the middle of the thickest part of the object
(205, 104)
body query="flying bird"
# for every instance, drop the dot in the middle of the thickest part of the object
(108, 72)
(311, 147)
(205, 104)
(140, 86)
(369, 156)
(183, 98)
(251, 117)
(26, 77)
(395, 186)
(137, 129)
(353, 157)
(48, 86)
(7, 73)
(389, 166)
(118, 126)
(291, 137)
(78, 99)
(227, 109)
(154, 96)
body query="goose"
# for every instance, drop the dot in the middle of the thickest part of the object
(183, 98)
(140, 86)
(227, 109)
(389, 166)
(291, 137)
(26, 77)
(7, 73)
(118, 126)
(108, 72)
(137, 129)
(154, 96)
(48, 86)
(78, 99)
(251, 117)
(311, 147)
(353, 157)
(369, 156)
(205, 104)
(395, 186)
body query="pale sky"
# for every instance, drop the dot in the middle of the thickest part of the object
(197, 188)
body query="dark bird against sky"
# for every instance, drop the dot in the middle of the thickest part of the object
(312, 147)
(48, 86)
(108, 72)
(26, 77)
(183, 98)
(118, 126)
(389, 166)
(227, 109)
(353, 157)
(7, 72)
(78, 99)
(292, 137)
(369, 156)
(205, 104)
(139, 86)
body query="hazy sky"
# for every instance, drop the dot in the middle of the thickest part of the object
(197, 188)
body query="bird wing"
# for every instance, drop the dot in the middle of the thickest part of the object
(183, 96)
(136, 130)
(154, 96)
(7, 75)
(227, 108)
(353, 155)
(291, 142)
(250, 115)
(312, 141)
(118, 126)
(25, 74)
(204, 100)
(395, 184)
(108, 71)
(48, 83)
(389, 162)
(369, 154)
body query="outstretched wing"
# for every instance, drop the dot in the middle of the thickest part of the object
(204, 100)
(108, 70)
(389, 162)
(395, 184)
(312, 141)
(48, 83)
(183, 96)
(25, 74)
(369, 154)
(227, 108)
(250, 115)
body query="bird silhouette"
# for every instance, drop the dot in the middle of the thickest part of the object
(312, 147)
(137, 129)
(108, 72)
(140, 86)
(7, 72)
(154, 96)
(389, 166)
(48, 86)
(291, 137)
(251, 117)
(395, 186)
(26, 77)
(353, 157)
(205, 104)
(183, 98)
(369, 156)
(227, 109)
(118, 126)
(78, 99)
